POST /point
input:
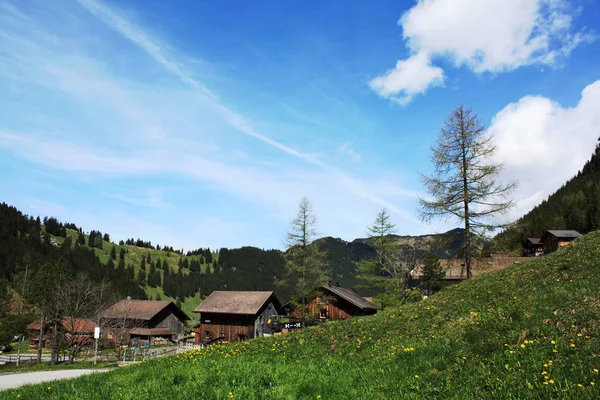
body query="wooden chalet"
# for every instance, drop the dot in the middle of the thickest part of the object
(73, 329)
(556, 239)
(533, 247)
(333, 303)
(236, 316)
(144, 322)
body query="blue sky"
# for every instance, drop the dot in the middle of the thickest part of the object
(198, 124)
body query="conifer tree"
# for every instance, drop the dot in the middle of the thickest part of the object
(464, 184)
(306, 266)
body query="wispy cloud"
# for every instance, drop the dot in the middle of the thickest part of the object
(85, 112)
(157, 50)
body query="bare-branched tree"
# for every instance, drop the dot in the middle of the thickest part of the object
(465, 182)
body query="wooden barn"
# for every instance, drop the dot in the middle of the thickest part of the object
(236, 316)
(554, 240)
(144, 322)
(333, 303)
(73, 329)
(533, 247)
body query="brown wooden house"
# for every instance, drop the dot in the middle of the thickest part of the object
(533, 247)
(554, 240)
(236, 316)
(73, 329)
(333, 303)
(142, 322)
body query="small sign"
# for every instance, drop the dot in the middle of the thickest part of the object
(292, 325)
(97, 332)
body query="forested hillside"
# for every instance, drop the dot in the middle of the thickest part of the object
(139, 269)
(576, 205)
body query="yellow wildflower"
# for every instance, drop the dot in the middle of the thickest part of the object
(551, 381)
(553, 341)
(417, 376)
(572, 344)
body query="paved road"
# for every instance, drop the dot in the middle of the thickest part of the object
(10, 381)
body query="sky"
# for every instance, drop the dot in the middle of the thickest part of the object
(202, 124)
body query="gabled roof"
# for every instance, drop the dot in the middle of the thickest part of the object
(534, 240)
(232, 302)
(78, 325)
(564, 234)
(350, 296)
(143, 310)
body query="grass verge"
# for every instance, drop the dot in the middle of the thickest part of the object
(528, 332)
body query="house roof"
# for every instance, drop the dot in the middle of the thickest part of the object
(232, 302)
(350, 296)
(79, 325)
(151, 331)
(143, 310)
(564, 234)
(534, 240)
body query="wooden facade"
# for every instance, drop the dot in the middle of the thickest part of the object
(145, 321)
(235, 316)
(554, 240)
(533, 247)
(335, 303)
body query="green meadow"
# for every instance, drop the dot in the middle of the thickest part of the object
(531, 331)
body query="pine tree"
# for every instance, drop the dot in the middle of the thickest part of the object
(432, 274)
(306, 267)
(113, 253)
(388, 272)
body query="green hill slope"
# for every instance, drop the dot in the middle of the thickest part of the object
(530, 331)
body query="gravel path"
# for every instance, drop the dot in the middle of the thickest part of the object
(10, 381)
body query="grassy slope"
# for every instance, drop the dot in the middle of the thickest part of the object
(498, 336)
(134, 255)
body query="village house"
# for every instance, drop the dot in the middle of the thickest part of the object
(74, 330)
(533, 247)
(556, 239)
(144, 322)
(235, 316)
(333, 303)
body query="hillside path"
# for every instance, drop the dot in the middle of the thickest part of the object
(11, 381)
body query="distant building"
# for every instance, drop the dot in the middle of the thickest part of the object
(334, 303)
(533, 247)
(236, 316)
(74, 330)
(554, 240)
(142, 322)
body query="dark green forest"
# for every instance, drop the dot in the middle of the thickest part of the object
(576, 205)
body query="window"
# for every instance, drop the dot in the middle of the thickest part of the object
(323, 313)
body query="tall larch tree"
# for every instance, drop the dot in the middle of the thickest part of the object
(465, 183)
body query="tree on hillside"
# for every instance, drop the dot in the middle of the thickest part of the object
(306, 265)
(122, 253)
(388, 272)
(432, 274)
(113, 253)
(42, 293)
(81, 238)
(464, 184)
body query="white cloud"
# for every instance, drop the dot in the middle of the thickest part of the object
(543, 144)
(412, 76)
(485, 35)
